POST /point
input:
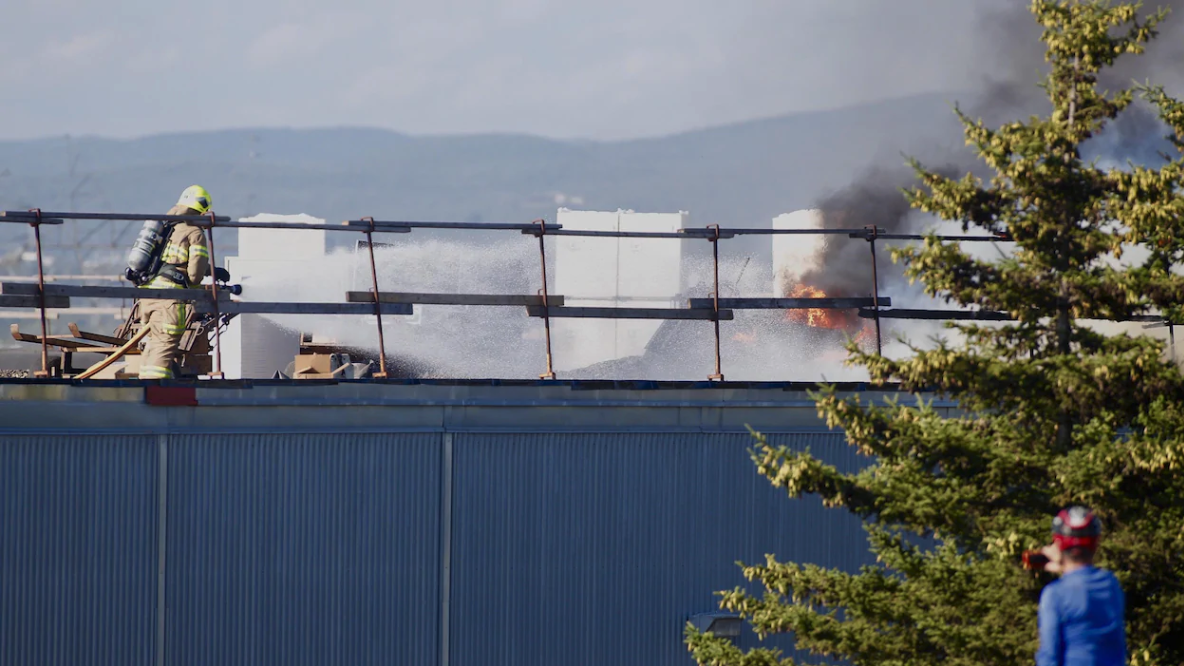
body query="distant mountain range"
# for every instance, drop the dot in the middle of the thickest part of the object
(740, 174)
(744, 172)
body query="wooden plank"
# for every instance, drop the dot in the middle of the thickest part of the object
(15, 329)
(86, 291)
(790, 303)
(250, 307)
(451, 299)
(58, 302)
(96, 337)
(628, 313)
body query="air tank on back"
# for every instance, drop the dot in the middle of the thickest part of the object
(144, 256)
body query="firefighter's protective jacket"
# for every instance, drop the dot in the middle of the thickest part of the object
(186, 258)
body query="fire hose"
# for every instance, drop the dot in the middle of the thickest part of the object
(115, 356)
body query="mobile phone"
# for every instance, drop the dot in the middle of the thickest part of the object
(1034, 559)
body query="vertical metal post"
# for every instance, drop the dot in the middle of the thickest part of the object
(162, 503)
(1172, 339)
(217, 373)
(718, 374)
(550, 373)
(377, 305)
(36, 224)
(872, 233)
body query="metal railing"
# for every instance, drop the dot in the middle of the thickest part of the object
(543, 304)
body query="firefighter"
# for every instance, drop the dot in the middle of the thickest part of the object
(1082, 615)
(185, 261)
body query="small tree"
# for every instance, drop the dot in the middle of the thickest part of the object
(1054, 413)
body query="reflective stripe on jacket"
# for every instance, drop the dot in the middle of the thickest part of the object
(155, 372)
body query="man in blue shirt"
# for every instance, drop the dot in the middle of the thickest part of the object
(1081, 615)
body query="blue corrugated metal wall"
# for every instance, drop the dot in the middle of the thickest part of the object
(303, 549)
(565, 548)
(77, 550)
(595, 549)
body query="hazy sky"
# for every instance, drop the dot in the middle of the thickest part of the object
(564, 68)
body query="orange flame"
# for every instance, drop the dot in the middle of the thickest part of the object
(818, 317)
(843, 320)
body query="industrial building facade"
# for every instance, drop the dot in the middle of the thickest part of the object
(401, 523)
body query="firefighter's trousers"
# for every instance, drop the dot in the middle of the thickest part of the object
(167, 321)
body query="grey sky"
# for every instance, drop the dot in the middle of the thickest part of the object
(565, 68)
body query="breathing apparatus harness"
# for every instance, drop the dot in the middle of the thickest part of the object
(145, 260)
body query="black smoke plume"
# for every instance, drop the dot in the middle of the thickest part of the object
(874, 199)
(844, 265)
(1010, 91)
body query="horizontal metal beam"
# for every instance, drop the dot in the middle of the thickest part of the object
(250, 307)
(20, 294)
(361, 225)
(13, 301)
(979, 315)
(88, 291)
(26, 215)
(450, 299)
(795, 232)
(863, 234)
(224, 307)
(970, 239)
(789, 303)
(31, 219)
(239, 224)
(299, 225)
(627, 313)
(684, 234)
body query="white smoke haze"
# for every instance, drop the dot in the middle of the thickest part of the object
(439, 340)
(503, 342)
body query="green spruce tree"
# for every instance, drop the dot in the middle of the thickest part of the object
(1052, 412)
